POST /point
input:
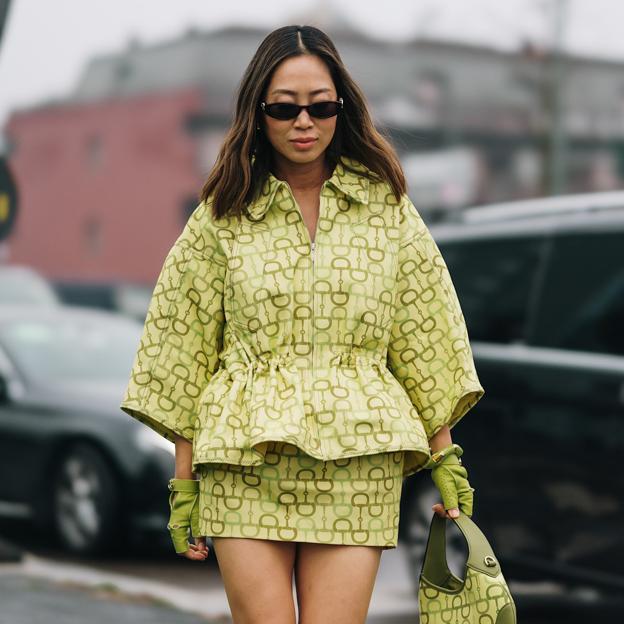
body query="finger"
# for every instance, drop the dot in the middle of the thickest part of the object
(439, 510)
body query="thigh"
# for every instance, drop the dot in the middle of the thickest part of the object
(335, 582)
(257, 576)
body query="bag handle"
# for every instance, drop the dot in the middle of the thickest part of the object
(480, 554)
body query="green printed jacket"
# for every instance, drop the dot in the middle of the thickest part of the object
(351, 346)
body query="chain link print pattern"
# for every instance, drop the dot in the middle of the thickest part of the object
(358, 348)
(295, 497)
(481, 600)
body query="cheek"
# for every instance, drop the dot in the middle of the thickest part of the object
(327, 129)
(276, 131)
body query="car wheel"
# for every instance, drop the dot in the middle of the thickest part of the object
(418, 515)
(85, 500)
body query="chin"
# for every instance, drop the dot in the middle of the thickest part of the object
(301, 157)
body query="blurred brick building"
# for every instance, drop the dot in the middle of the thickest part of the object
(104, 186)
(109, 174)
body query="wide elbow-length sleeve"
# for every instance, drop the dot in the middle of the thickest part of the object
(429, 351)
(182, 336)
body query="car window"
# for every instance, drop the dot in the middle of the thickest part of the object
(495, 281)
(71, 349)
(23, 287)
(583, 303)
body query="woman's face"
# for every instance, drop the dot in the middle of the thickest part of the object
(301, 79)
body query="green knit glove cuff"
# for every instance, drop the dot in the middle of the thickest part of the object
(451, 479)
(183, 485)
(450, 454)
(184, 506)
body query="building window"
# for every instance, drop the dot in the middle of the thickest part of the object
(95, 151)
(93, 235)
(123, 70)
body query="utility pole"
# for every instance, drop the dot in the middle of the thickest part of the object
(555, 164)
(4, 12)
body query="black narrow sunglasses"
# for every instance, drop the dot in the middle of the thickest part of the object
(286, 110)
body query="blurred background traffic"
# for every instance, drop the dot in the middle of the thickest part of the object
(509, 122)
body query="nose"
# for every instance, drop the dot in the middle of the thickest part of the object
(303, 119)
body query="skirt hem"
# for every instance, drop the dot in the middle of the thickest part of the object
(306, 540)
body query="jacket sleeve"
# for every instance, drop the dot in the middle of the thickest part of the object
(182, 336)
(429, 351)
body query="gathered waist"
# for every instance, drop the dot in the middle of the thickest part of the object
(284, 367)
(240, 359)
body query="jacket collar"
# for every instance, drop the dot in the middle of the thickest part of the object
(354, 186)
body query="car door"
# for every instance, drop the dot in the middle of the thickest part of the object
(18, 438)
(572, 403)
(497, 279)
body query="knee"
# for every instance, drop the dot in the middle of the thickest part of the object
(264, 600)
(262, 610)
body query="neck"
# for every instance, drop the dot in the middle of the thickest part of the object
(302, 176)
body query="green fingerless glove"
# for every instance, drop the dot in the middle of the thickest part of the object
(184, 506)
(451, 478)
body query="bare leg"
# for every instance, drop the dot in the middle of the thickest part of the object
(257, 575)
(334, 582)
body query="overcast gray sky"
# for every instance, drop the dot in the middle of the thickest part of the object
(46, 44)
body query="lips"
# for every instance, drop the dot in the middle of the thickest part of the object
(303, 140)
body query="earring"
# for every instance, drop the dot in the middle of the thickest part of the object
(257, 127)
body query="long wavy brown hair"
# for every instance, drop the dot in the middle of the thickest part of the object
(246, 156)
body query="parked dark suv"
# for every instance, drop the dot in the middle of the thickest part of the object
(541, 284)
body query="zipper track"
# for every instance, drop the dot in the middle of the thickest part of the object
(312, 332)
(312, 284)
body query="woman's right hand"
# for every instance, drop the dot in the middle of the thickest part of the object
(451, 479)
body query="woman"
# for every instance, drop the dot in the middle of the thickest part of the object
(304, 347)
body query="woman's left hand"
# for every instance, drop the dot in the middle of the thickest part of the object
(451, 479)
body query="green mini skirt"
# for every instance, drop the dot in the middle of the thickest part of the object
(293, 497)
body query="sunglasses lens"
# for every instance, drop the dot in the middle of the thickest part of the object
(323, 110)
(282, 110)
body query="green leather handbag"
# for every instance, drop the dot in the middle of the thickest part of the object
(482, 596)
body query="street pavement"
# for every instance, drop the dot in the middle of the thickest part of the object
(57, 590)
(26, 599)
(45, 584)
